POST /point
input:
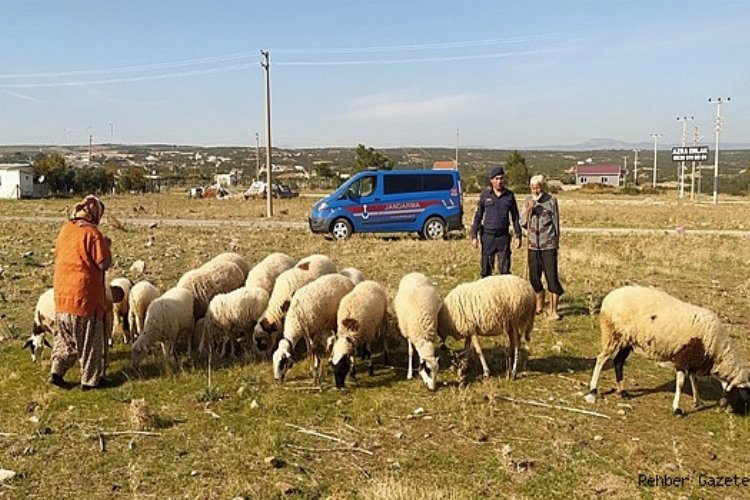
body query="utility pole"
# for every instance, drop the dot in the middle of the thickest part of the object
(718, 101)
(257, 157)
(624, 169)
(681, 174)
(267, 67)
(91, 140)
(655, 136)
(111, 131)
(635, 166)
(457, 136)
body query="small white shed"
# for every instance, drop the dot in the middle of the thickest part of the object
(16, 181)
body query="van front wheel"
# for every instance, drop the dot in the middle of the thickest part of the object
(341, 229)
(434, 229)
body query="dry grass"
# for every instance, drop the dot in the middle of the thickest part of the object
(468, 443)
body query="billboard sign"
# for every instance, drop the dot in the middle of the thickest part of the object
(690, 153)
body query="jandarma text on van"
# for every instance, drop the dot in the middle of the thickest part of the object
(667, 481)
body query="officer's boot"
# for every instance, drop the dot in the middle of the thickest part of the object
(540, 302)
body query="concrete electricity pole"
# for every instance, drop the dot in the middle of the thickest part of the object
(91, 141)
(635, 166)
(457, 136)
(624, 169)
(718, 101)
(656, 136)
(681, 174)
(267, 67)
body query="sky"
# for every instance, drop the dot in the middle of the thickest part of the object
(390, 73)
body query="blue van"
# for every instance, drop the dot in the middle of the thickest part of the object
(429, 202)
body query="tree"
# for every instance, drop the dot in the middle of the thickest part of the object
(516, 171)
(365, 158)
(92, 180)
(132, 179)
(54, 172)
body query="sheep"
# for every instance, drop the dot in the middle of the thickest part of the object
(141, 296)
(416, 306)
(353, 274)
(306, 271)
(120, 309)
(312, 316)
(266, 271)
(231, 315)
(44, 323)
(232, 257)
(665, 328)
(209, 280)
(488, 307)
(362, 317)
(169, 320)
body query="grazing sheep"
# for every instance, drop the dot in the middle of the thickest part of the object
(665, 328)
(210, 280)
(44, 323)
(270, 325)
(491, 306)
(312, 315)
(120, 309)
(232, 257)
(266, 271)
(141, 296)
(231, 315)
(416, 306)
(169, 321)
(362, 317)
(353, 274)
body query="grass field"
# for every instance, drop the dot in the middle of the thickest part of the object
(399, 440)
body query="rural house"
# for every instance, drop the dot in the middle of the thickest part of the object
(607, 175)
(16, 181)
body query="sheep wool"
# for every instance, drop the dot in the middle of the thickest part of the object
(416, 306)
(665, 328)
(44, 323)
(232, 257)
(362, 317)
(491, 306)
(265, 272)
(210, 280)
(312, 316)
(231, 315)
(270, 325)
(141, 296)
(353, 274)
(169, 321)
(121, 326)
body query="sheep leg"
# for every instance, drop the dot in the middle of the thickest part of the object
(409, 367)
(512, 355)
(697, 403)
(619, 363)
(315, 369)
(679, 382)
(370, 367)
(600, 360)
(386, 354)
(480, 354)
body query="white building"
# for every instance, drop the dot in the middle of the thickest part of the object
(16, 181)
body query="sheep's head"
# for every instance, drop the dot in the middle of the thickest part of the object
(138, 352)
(428, 368)
(341, 359)
(282, 360)
(35, 344)
(263, 334)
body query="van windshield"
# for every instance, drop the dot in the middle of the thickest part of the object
(364, 186)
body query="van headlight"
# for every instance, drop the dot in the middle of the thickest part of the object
(323, 205)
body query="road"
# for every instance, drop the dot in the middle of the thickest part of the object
(262, 223)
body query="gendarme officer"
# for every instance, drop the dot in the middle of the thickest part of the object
(497, 207)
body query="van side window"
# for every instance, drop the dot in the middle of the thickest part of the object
(397, 184)
(363, 187)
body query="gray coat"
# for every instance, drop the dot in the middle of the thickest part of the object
(542, 221)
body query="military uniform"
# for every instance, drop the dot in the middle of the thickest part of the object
(491, 223)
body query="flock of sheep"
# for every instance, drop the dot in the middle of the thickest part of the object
(270, 307)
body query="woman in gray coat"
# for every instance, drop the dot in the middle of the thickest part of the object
(541, 218)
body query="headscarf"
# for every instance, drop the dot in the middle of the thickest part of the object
(90, 209)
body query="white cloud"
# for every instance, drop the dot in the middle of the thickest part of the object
(389, 107)
(24, 97)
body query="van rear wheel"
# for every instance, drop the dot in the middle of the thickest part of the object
(341, 229)
(434, 229)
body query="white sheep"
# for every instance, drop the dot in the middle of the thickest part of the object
(265, 272)
(665, 328)
(312, 316)
(491, 306)
(416, 306)
(169, 321)
(232, 257)
(120, 316)
(362, 318)
(141, 296)
(44, 323)
(271, 324)
(353, 274)
(231, 316)
(209, 280)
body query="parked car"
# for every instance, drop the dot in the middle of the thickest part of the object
(428, 202)
(284, 191)
(258, 190)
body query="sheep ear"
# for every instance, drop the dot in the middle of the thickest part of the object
(285, 306)
(46, 343)
(329, 343)
(29, 345)
(117, 294)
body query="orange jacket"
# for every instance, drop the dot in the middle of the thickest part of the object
(79, 281)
